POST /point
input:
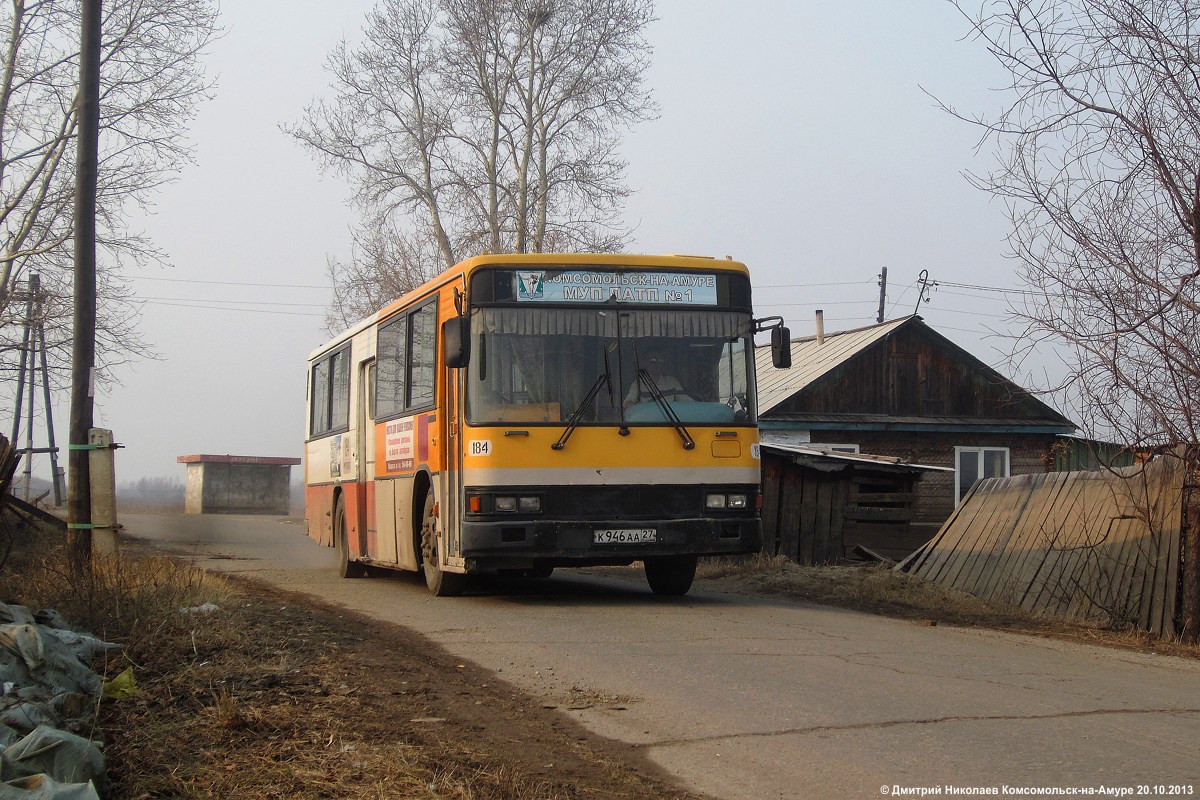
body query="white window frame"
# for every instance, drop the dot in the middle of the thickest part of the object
(980, 454)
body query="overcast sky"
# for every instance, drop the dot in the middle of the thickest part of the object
(793, 136)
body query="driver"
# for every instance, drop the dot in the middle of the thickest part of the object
(667, 384)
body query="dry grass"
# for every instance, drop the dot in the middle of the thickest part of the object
(878, 589)
(870, 587)
(130, 598)
(274, 696)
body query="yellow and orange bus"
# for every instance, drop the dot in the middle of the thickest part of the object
(519, 413)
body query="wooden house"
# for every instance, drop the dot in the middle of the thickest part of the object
(904, 391)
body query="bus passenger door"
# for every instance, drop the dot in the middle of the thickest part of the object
(452, 432)
(454, 413)
(376, 500)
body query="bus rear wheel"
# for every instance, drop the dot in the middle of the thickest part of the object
(670, 575)
(346, 567)
(439, 582)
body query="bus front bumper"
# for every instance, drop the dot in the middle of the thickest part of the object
(520, 544)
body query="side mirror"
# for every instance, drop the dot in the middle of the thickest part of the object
(781, 347)
(456, 341)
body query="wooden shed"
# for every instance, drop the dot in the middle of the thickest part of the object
(819, 505)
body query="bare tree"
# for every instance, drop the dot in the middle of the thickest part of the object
(484, 124)
(1100, 153)
(151, 82)
(383, 265)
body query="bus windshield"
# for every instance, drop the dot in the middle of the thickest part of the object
(541, 365)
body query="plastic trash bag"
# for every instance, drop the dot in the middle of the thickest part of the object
(206, 608)
(63, 756)
(121, 686)
(18, 615)
(43, 787)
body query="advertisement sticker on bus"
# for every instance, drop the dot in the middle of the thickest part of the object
(398, 445)
(580, 286)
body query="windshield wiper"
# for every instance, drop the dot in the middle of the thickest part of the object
(688, 442)
(573, 423)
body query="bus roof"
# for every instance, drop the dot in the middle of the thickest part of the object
(467, 266)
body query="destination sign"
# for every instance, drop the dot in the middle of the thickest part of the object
(582, 286)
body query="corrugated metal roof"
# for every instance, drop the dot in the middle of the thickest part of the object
(811, 360)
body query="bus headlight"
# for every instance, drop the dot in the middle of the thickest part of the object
(723, 501)
(503, 504)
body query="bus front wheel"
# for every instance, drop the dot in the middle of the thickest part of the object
(670, 575)
(440, 582)
(346, 567)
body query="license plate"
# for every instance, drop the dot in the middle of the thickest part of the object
(624, 536)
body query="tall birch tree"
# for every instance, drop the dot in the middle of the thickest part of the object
(469, 125)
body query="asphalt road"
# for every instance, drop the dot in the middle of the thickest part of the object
(754, 698)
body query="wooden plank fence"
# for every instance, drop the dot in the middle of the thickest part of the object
(1088, 546)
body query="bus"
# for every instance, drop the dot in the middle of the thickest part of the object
(519, 413)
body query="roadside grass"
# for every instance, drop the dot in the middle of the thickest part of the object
(117, 597)
(867, 587)
(269, 696)
(877, 589)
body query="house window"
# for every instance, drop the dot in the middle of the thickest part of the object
(976, 463)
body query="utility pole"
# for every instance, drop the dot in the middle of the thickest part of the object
(83, 351)
(882, 294)
(923, 292)
(33, 346)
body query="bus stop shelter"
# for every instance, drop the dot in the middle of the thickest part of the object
(237, 484)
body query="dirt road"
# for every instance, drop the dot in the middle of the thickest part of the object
(746, 697)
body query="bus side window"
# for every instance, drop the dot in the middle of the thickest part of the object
(330, 392)
(320, 398)
(391, 368)
(423, 360)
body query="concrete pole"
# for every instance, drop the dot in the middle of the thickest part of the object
(104, 491)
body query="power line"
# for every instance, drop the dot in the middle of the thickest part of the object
(984, 288)
(235, 283)
(237, 302)
(807, 285)
(970, 313)
(223, 308)
(819, 304)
